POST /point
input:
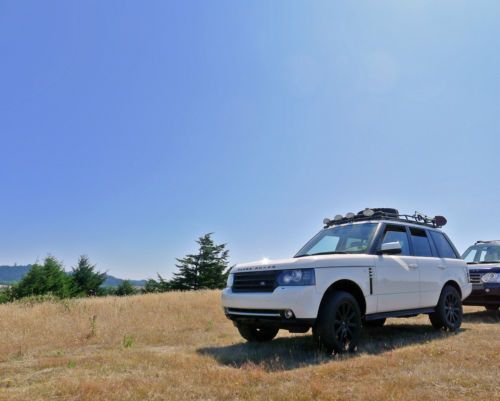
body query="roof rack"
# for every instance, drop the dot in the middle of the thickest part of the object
(488, 241)
(387, 214)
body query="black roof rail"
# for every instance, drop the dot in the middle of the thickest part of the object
(488, 241)
(387, 214)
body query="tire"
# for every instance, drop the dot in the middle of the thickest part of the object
(374, 323)
(492, 308)
(256, 334)
(339, 324)
(449, 312)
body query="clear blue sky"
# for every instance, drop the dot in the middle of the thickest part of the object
(130, 128)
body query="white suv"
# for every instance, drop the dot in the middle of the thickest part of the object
(357, 271)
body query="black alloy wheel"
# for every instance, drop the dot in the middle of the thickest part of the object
(339, 323)
(449, 312)
(452, 308)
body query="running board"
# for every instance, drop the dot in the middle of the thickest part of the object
(399, 313)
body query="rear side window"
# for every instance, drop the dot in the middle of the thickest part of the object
(443, 246)
(421, 245)
(397, 234)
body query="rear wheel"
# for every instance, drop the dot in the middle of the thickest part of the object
(258, 334)
(339, 323)
(492, 308)
(448, 313)
(374, 323)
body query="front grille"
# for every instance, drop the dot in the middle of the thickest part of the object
(475, 277)
(262, 281)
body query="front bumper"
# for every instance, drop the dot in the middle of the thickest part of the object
(303, 301)
(269, 317)
(484, 294)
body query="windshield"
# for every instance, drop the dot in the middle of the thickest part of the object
(482, 253)
(353, 238)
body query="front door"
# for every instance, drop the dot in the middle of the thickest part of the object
(397, 281)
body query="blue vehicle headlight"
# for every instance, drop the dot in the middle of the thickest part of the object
(490, 278)
(297, 277)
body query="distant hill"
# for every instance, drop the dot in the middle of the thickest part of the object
(11, 274)
(112, 281)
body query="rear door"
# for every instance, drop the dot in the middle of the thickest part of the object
(397, 276)
(451, 264)
(430, 266)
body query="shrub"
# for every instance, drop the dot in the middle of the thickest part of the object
(125, 288)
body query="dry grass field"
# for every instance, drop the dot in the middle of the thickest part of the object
(179, 346)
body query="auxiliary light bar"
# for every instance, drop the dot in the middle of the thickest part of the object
(387, 214)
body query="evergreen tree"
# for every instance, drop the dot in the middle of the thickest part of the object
(125, 288)
(205, 270)
(49, 278)
(86, 281)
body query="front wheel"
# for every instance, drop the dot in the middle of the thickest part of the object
(339, 323)
(492, 308)
(257, 334)
(448, 313)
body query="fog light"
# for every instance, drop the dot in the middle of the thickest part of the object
(288, 314)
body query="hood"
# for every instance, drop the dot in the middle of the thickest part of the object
(307, 262)
(485, 267)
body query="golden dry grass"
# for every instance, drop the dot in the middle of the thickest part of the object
(179, 346)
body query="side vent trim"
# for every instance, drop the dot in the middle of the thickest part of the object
(370, 273)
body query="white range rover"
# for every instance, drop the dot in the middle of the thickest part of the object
(359, 270)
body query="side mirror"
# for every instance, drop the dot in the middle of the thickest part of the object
(391, 248)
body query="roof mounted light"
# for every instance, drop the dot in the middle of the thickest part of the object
(350, 215)
(440, 221)
(326, 221)
(368, 212)
(338, 217)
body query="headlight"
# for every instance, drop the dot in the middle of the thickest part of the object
(297, 277)
(230, 280)
(490, 278)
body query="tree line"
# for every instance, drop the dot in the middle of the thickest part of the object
(206, 269)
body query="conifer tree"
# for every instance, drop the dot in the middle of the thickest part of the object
(49, 278)
(86, 281)
(205, 270)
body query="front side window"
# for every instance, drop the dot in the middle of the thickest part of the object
(443, 245)
(420, 242)
(397, 234)
(482, 253)
(353, 238)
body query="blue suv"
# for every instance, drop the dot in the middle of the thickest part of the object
(483, 260)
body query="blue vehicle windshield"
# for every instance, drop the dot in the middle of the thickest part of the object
(482, 253)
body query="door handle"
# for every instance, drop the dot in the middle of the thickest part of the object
(412, 265)
(442, 267)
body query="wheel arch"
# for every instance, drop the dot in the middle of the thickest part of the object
(348, 286)
(454, 284)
